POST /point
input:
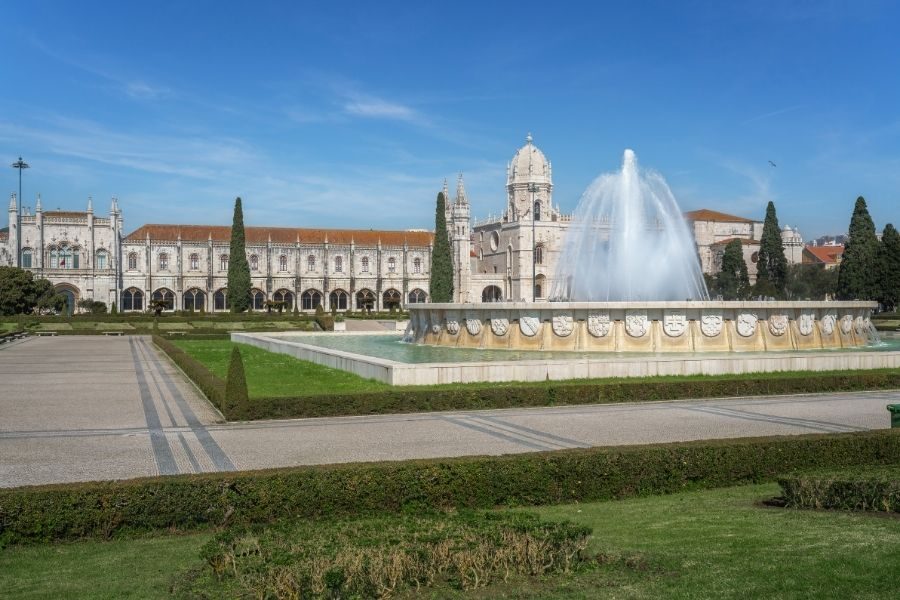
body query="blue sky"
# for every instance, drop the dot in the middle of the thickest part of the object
(352, 114)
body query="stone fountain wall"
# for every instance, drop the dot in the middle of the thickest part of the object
(645, 326)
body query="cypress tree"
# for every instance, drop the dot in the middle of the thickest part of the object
(236, 397)
(733, 280)
(771, 267)
(890, 268)
(238, 268)
(441, 260)
(859, 270)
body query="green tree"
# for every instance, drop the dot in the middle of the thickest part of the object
(238, 268)
(236, 398)
(441, 285)
(859, 270)
(811, 282)
(733, 282)
(47, 299)
(890, 268)
(771, 268)
(21, 293)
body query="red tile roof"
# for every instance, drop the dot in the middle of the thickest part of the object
(704, 214)
(825, 254)
(282, 235)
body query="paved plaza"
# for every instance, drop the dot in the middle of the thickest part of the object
(90, 408)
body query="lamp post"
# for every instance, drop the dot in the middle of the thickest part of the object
(19, 164)
(533, 188)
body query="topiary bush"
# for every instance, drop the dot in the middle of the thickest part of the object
(867, 489)
(236, 398)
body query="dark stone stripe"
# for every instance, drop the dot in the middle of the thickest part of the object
(801, 423)
(195, 466)
(536, 432)
(218, 456)
(496, 434)
(165, 460)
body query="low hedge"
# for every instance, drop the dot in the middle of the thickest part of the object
(184, 502)
(472, 397)
(212, 386)
(866, 490)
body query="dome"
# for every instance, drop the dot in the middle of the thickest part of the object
(529, 165)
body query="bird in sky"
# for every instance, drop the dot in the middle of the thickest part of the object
(773, 164)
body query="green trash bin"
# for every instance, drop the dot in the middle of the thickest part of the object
(895, 414)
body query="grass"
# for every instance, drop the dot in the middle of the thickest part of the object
(709, 544)
(271, 374)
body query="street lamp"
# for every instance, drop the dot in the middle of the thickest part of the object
(19, 164)
(533, 188)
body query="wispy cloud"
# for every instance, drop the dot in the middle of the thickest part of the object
(377, 108)
(774, 113)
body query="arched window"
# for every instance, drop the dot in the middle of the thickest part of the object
(417, 265)
(220, 300)
(391, 299)
(26, 258)
(282, 263)
(537, 210)
(365, 300)
(223, 262)
(132, 299)
(285, 297)
(100, 260)
(132, 261)
(392, 264)
(194, 261)
(311, 263)
(539, 254)
(254, 262)
(310, 299)
(163, 262)
(339, 300)
(257, 299)
(166, 296)
(491, 294)
(364, 264)
(417, 296)
(539, 286)
(63, 257)
(338, 264)
(194, 299)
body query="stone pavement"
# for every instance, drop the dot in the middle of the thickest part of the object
(87, 408)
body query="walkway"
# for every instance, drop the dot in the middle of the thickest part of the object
(83, 408)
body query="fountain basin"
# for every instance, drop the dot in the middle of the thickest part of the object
(689, 326)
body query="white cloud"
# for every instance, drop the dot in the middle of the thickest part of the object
(376, 108)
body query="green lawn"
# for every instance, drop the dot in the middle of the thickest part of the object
(708, 544)
(273, 374)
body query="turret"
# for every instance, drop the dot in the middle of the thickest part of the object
(459, 225)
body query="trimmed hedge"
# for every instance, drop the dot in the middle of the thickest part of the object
(474, 397)
(868, 490)
(184, 502)
(212, 387)
(179, 317)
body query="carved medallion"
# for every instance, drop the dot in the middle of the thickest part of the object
(473, 326)
(674, 324)
(563, 325)
(711, 325)
(746, 324)
(499, 326)
(828, 322)
(862, 326)
(435, 329)
(636, 324)
(778, 324)
(598, 324)
(452, 326)
(846, 324)
(529, 325)
(805, 324)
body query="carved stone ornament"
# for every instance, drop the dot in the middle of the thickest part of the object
(563, 325)
(499, 326)
(711, 325)
(746, 324)
(805, 324)
(452, 326)
(435, 329)
(675, 324)
(846, 324)
(828, 322)
(529, 325)
(598, 324)
(473, 326)
(636, 324)
(778, 324)
(862, 326)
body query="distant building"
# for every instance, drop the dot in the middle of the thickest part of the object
(830, 256)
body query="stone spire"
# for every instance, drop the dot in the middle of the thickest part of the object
(461, 191)
(90, 206)
(37, 207)
(12, 202)
(446, 191)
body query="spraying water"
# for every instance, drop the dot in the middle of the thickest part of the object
(628, 241)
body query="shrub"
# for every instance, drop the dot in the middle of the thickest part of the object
(866, 490)
(211, 386)
(185, 502)
(236, 398)
(113, 310)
